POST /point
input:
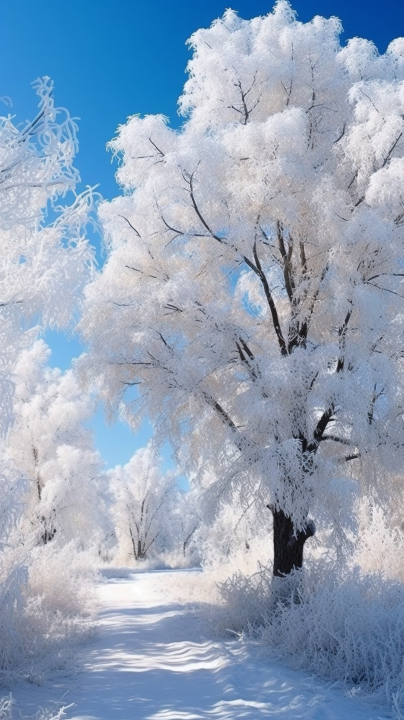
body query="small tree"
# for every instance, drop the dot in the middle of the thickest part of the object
(145, 500)
(253, 290)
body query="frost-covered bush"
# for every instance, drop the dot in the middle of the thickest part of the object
(339, 624)
(47, 606)
(51, 713)
(381, 544)
(234, 537)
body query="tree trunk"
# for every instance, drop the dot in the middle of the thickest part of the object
(49, 531)
(141, 550)
(288, 543)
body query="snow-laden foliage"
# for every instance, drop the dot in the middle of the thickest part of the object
(253, 287)
(51, 447)
(147, 505)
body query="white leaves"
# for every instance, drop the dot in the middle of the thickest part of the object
(386, 190)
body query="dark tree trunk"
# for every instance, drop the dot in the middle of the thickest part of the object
(48, 533)
(288, 542)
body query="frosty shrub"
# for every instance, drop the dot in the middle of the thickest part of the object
(47, 606)
(6, 704)
(234, 539)
(339, 624)
(6, 711)
(381, 543)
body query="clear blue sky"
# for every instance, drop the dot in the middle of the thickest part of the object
(112, 58)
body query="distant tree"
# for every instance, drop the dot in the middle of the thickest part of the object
(145, 505)
(52, 448)
(253, 291)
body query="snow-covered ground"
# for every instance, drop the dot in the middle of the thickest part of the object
(156, 658)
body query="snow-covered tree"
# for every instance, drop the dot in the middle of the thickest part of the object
(44, 262)
(253, 289)
(145, 505)
(52, 448)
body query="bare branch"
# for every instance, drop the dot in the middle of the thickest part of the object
(389, 154)
(245, 111)
(341, 135)
(200, 216)
(157, 148)
(342, 331)
(274, 313)
(130, 225)
(336, 439)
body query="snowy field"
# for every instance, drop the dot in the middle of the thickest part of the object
(155, 657)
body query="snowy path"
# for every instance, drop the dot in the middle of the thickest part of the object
(151, 661)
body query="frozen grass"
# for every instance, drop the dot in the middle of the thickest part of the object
(6, 704)
(342, 625)
(6, 711)
(381, 545)
(340, 619)
(46, 608)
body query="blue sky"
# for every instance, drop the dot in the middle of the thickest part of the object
(112, 58)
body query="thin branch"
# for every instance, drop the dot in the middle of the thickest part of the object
(342, 335)
(384, 289)
(200, 216)
(157, 148)
(385, 273)
(274, 313)
(286, 257)
(130, 225)
(336, 439)
(354, 456)
(341, 135)
(388, 156)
